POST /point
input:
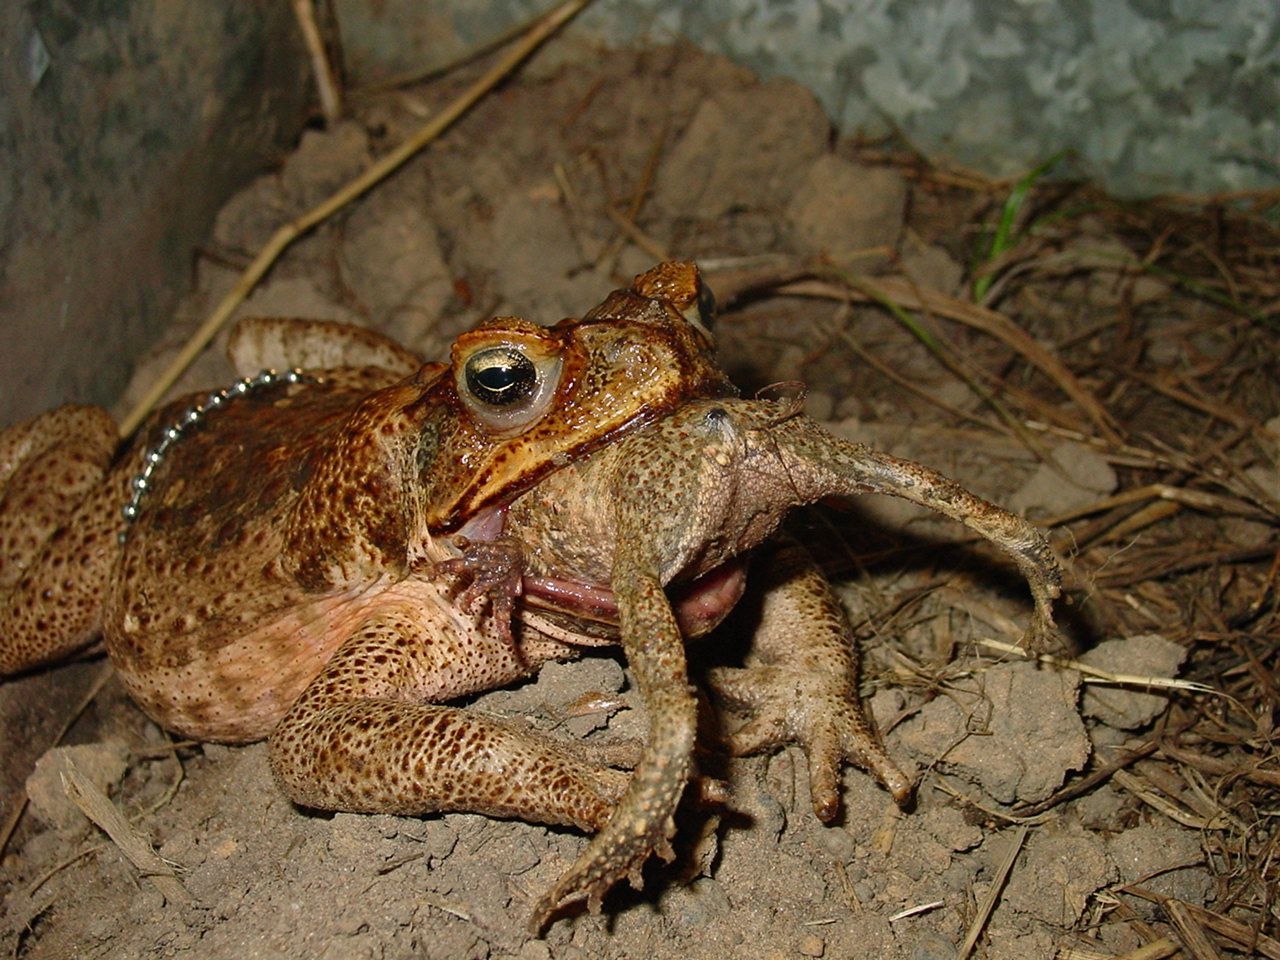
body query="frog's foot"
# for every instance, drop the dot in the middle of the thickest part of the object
(821, 713)
(620, 849)
(643, 823)
(492, 571)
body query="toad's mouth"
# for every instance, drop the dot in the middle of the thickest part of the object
(699, 605)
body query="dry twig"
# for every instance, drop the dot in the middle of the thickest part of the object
(95, 805)
(326, 85)
(378, 172)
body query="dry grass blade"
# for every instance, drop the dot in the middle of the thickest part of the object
(956, 364)
(1243, 937)
(1192, 935)
(1222, 768)
(1156, 950)
(326, 87)
(95, 805)
(1196, 499)
(1163, 947)
(1105, 676)
(993, 894)
(1088, 782)
(1236, 932)
(988, 321)
(1162, 804)
(887, 371)
(378, 172)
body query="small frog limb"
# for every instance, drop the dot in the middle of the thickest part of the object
(824, 467)
(801, 682)
(361, 739)
(643, 822)
(492, 572)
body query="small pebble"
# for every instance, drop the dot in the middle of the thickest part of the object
(811, 946)
(535, 950)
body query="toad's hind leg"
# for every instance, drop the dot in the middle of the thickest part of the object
(361, 739)
(58, 525)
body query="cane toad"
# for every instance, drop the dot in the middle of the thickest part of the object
(327, 557)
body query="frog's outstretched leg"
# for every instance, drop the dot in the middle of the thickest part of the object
(819, 465)
(58, 527)
(801, 683)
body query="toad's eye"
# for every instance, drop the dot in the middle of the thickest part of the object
(501, 376)
(507, 378)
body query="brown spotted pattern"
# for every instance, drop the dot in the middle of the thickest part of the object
(57, 534)
(675, 503)
(319, 563)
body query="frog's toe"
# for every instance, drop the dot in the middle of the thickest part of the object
(613, 855)
(816, 712)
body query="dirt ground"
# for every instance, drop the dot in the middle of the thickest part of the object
(1118, 380)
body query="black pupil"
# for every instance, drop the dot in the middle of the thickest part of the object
(501, 376)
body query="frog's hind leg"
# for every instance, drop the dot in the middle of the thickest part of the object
(58, 525)
(282, 343)
(361, 739)
(801, 682)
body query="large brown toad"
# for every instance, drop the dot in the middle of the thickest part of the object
(325, 558)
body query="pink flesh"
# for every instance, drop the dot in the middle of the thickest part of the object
(699, 606)
(572, 596)
(485, 525)
(702, 604)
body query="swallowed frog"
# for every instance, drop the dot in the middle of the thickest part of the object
(326, 556)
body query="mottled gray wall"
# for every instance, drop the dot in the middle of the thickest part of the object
(124, 124)
(1151, 95)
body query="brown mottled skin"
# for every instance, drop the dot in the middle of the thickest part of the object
(327, 563)
(677, 502)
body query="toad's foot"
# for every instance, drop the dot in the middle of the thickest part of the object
(802, 684)
(821, 715)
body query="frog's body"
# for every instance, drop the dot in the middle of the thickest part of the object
(327, 561)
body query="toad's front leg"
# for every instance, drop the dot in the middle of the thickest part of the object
(362, 738)
(801, 683)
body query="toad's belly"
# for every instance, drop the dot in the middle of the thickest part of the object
(210, 686)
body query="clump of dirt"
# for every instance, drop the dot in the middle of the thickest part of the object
(1117, 380)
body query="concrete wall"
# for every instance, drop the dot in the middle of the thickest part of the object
(1150, 96)
(124, 124)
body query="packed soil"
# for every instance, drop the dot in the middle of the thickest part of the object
(1108, 369)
